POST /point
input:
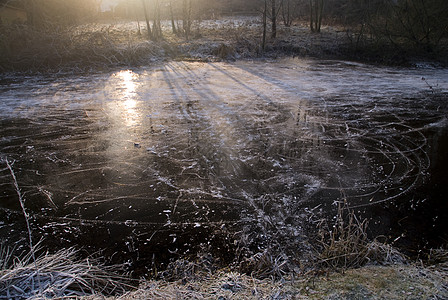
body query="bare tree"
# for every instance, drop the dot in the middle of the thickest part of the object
(421, 23)
(186, 17)
(173, 24)
(148, 26)
(316, 11)
(406, 25)
(287, 14)
(265, 21)
(275, 10)
(157, 24)
(273, 19)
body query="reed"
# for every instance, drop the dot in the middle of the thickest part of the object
(345, 244)
(22, 205)
(51, 275)
(58, 275)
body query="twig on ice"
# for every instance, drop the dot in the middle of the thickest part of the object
(22, 204)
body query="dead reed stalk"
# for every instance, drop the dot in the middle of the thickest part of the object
(22, 205)
(345, 244)
(5, 256)
(51, 275)
(58, 275)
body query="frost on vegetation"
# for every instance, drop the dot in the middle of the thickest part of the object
(97, 45)
(344, 244)
(372, 282)
(83, 47)
(56, 275)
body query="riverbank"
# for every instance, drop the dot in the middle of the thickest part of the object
(124, 44)
(347, 265)
(62, 275)
(370, 282)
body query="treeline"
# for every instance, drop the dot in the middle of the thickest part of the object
(422, 23)
(377, 30)
(409, 23)
(400, 23)
(181, 13)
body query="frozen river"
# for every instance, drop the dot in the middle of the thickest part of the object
(155, 159)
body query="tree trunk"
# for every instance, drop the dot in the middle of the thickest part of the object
(274, 19)
(186, 18)
(286, 13)
(139, 32)
(316, 12)
(157, 27)
(173, 24)
(321, 10)
(148, 26)
(311, 16)
(265, 20)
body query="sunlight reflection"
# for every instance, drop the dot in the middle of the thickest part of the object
(127, 88)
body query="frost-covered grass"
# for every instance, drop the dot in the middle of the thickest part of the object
(62, 275)
(371, 282)
(57, 275)
(24, 48)
(65, 275)
(123, 43)
(345, 245)
(88, 46)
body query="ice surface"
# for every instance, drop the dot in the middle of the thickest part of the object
(197, 143)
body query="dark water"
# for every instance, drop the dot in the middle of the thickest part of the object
(153, 163)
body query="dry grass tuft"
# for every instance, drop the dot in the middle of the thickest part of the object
(267, 265)
(57, 275)
(189, 270)
(345, 244)
(437, 256)
(222, 285)
(5, 256)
